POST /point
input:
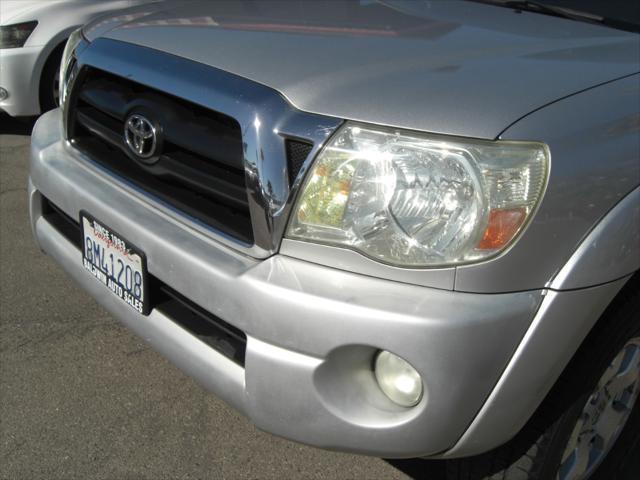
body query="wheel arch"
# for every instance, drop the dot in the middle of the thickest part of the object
(53, 55)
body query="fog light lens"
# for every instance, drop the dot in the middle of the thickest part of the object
(398, 380)
(3, 94)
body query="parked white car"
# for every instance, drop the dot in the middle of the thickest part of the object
(32, 38)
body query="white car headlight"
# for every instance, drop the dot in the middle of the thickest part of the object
(16, 35)
(66, 63)
(419, 200)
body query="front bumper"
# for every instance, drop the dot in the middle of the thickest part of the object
(311, 330)
(19, 76)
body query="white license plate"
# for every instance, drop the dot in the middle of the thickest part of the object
(115, 262)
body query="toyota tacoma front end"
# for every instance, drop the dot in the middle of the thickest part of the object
(384, 228)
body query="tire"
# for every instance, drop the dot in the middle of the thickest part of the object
(49, 80)
(536, 453)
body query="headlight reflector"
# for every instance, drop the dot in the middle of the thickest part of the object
(16, 35)
(413, 199)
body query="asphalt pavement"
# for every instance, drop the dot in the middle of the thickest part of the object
(81, 397)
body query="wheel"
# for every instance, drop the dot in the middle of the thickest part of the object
(589, 424)
(50, 81)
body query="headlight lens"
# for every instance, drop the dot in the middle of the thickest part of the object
(16, 35)
(66, 63)
(419, 200)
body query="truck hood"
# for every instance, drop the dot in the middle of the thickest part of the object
(449, 67)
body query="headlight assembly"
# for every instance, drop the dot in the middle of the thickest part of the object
(419, 200)
(16, 35)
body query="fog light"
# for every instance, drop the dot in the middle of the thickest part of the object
(397, 379)
(3, 94)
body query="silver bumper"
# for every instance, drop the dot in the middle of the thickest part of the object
(311, 330)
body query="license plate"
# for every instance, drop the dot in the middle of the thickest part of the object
(115, 262)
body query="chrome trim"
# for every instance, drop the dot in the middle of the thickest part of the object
(69, 82)
(266, 120)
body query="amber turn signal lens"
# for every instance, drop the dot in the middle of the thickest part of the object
(504, 223)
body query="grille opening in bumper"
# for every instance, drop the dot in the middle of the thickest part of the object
(200, 170)
(63, 223)
(215, 332)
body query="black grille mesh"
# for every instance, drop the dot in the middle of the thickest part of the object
(297, 153)
(200, 169)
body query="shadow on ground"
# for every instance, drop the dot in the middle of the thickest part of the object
(16, 126)
(420, 469)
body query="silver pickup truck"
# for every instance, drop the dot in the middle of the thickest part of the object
(399, 228)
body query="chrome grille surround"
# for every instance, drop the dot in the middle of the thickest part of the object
(266, 120)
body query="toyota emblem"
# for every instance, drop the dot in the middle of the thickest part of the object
(140, 136)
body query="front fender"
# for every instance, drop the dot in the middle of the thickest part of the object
(589, 247)
(574, 301)
(594, 140)
(610, 251)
